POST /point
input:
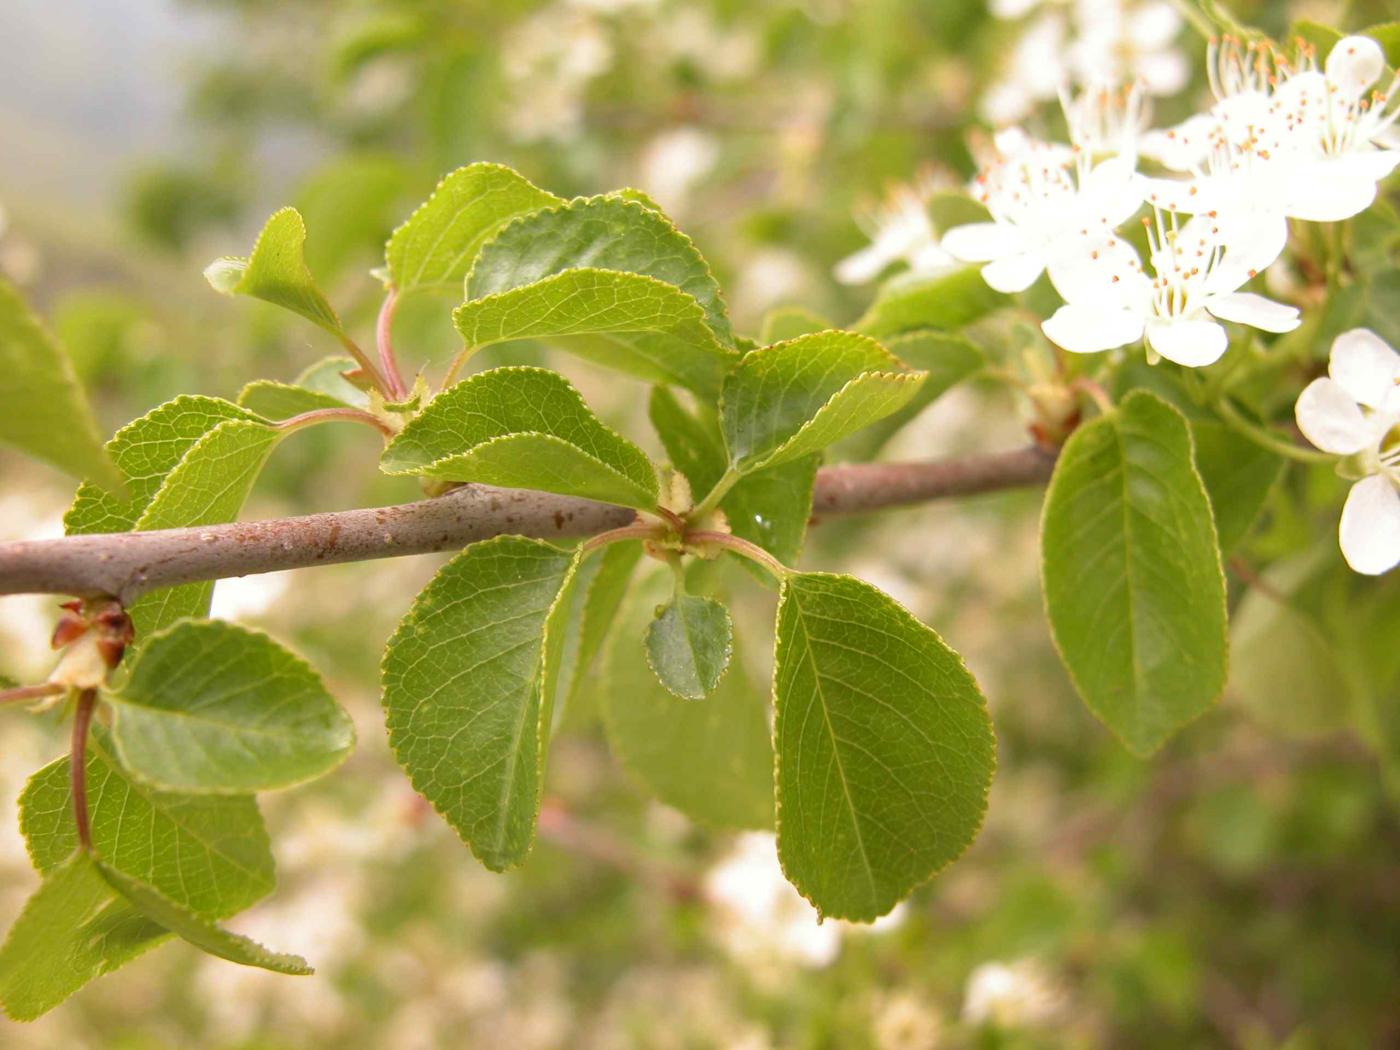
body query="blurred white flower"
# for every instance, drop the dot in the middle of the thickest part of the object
(760, 917)
(1035, 72)
(900, 231)
(1014, 995)
(249, 597)
(1355, 412)
(1121, 42)
(770, 276)
(904, 1021)
(1100, 43)
(1111, 301)
(548, 61)
(673, 162)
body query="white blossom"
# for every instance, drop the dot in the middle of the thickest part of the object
(1284, 136)
(900, 231)
(1047, 203)
(1355, 412)
(1196, 272)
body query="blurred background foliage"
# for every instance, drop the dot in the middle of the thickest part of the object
(1240, 889)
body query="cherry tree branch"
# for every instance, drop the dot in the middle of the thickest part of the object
(127, 564)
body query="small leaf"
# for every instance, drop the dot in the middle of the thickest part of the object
(595, 599)
(950, 303)
(884, 747)
(73, 929)
(42, 407)
(789, 322)
(793, 399)
(203, 934)
(213, 707)
(1132, 578)
(626, 321)
(322, 385)
(469, 680)
(522, 428)
(276, 272)
(598, 233)
(688, 645)
(770, 507)
(713, 758)
(209, 853)
(439, 242)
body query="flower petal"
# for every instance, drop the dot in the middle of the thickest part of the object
(1255, 311)
(864, 265)
(1193, 343)
(1370, 526)
(983, 241)
(1364, 365)
(1089, 330)
(1332, 190)
(1354, 63)
(1329, 417)
(1014, 273)
(1101, 270)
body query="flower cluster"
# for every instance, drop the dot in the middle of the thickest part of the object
(1283, 140)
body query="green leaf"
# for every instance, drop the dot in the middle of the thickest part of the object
(191, 461)
(42, 407)
(1238, 476)
(712, 759)
(626, 321)
(770, 507)
(322, 385)
(1131, 571)
(1284, 669)
(884, 747)
(946, 359)
(274, 400)
(276, 272)
(203, 934)
(788, 322)
(522, 428)
(598, 233)
(950, 302)
(469, 680)
(688, 645)
(436, 247)
(73, 929)
(213, 707)
(1387, 34)
(792, 399)
(209, 853)
(1237, 473)
(594, 602)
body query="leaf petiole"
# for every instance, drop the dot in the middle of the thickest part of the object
(712, 499)
(752, 551)
(77, 766)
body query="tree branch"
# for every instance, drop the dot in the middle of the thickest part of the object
(127, 564)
